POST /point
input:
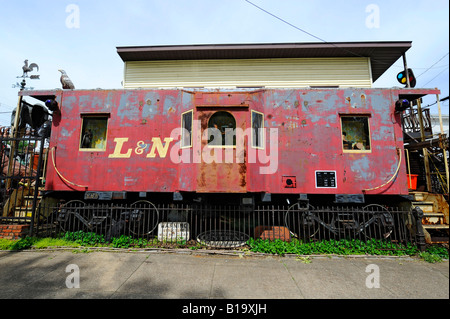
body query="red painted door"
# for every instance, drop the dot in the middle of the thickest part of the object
(222, 168)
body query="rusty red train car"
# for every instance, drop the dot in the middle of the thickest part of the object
(239, 145)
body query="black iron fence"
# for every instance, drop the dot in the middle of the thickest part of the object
(21, 172)
(225, 226)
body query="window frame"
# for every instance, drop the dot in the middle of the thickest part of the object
(263, 142)
(368, 118)
(222, 146)
(182, 146)
(93, 116)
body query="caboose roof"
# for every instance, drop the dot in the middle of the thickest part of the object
(382, 54)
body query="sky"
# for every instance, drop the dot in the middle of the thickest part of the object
(81, 36)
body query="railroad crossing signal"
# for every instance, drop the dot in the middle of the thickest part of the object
(401, 78)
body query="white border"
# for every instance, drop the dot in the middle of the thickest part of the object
(326, 171)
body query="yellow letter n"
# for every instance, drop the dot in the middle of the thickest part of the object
(157, 145)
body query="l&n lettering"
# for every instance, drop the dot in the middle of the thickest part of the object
(157, 146)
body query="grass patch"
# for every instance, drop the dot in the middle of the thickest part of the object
(44, 243)
(89, 239)
(338, 247)
(79, 239)
(5, 244)
(346, 247)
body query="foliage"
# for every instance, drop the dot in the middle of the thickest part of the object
(24, 243)
(338, 247)
(432, 254)
(93, 239)
(85, 239)
(122, 242)
(5, 244)
(43, 243)
(431, 258)
(438, 251)
(305, 260)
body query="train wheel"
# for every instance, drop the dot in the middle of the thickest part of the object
(376, 222)
(143, 218)
(301, 222)
(72, 216)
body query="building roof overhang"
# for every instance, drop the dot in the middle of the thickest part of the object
(382, 54)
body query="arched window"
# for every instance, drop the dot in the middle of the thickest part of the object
(222, 129)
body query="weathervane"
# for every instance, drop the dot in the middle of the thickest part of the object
(26, 69)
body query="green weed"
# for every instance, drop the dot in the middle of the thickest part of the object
(431, 258)
(338, 247)
(341, 247)
(84, 238)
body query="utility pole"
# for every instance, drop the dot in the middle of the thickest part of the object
(408, 84)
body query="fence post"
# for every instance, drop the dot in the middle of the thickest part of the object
(37, 185)
(420, 236)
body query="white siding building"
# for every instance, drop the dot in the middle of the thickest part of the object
(285, 65)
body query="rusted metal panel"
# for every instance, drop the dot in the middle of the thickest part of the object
(310, 139)
(138, 146)
(303, 140)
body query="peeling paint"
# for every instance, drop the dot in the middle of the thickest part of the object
(66, 133)
(309, 139)
(362, 169)
(128, 107)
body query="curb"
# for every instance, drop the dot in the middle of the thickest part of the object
(229, 253)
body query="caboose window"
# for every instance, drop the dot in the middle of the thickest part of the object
(186, 132)
(257, 130)
(93, 133)
(355, 133)
(222, 129)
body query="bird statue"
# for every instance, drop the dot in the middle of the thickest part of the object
(28, 68)
(65, 81)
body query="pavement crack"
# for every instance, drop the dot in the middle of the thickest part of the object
(132, 273)
(212, 281)
(293, 279)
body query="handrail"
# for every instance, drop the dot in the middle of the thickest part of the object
(399, 154)
(59, 174)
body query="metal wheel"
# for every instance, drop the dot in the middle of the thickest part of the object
(143, 218)
(344, 223)
(376, 222)
(73, 217)
(301, 222)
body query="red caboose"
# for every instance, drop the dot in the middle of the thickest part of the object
(263, 121)
(236, 124)
(283, 142)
